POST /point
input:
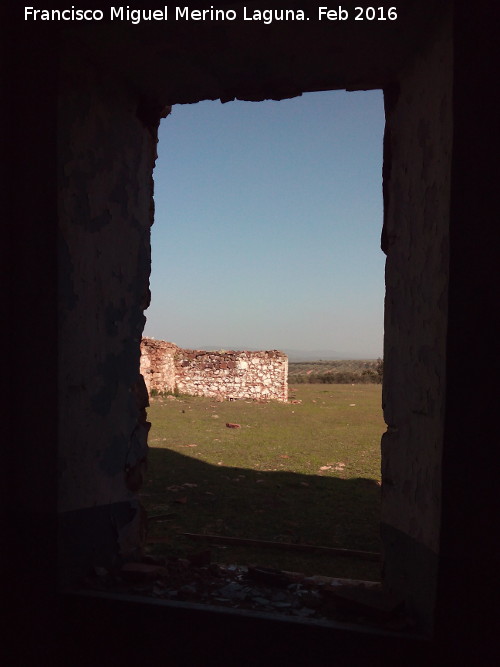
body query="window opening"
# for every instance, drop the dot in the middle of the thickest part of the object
(266, 237)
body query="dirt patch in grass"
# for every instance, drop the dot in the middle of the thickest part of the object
(302, 473)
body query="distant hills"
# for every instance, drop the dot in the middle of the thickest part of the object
(336, 371)
(322, 355)
(300, 355)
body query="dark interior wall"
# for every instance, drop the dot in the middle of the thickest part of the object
(104, 181)
(467, 563)
(178, 62)
(469, 576)
(29, 68)
(417, 173)
(106, 155)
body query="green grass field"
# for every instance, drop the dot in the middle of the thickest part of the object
(297, 473)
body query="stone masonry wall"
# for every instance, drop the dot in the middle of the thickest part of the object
(157, 364)
(259, 376)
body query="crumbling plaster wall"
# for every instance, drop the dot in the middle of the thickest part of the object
(467, 597)
(107, 122)
(417, 172)
(105, 156)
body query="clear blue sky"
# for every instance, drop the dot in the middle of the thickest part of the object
(267, 225)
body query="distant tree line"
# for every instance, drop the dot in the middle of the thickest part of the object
(372, 375)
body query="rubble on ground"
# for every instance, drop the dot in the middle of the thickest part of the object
(255, 588)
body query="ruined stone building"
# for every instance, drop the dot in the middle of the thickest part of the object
(259, 376)
(84, 100)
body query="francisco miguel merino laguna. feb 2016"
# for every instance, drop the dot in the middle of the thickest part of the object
(266, 16)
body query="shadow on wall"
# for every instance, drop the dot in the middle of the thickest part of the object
(190, 495)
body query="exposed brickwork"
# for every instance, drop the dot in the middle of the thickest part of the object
(259, 376)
